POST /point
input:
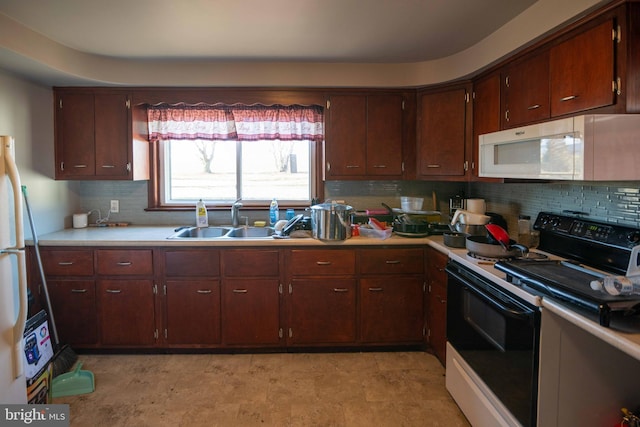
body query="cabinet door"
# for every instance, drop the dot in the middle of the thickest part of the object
(486, 113)
(346, 136)
(582, 71)
(441, 133)
(251, 311)
(74, 306)
(112, 135)
(526, 91)
(384, 135)
(391, 309)
(322, 311)
(437, 302)
(193, 312)
(75, 150)
(126, 310)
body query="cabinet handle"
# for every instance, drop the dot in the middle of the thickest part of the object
(533, 107)
(392, 261)
(380, 166)
(108, 166)
(568, 98)
(78, 291)
(65, 263)
(204, 291)
(375, 289)
(124, 263)
(114, 291)
(323, 262)
(79, 166)
(353, 166)
(239, 291)
(340, 290)
(433, 166)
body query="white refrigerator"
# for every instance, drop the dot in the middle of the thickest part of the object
(13, 279)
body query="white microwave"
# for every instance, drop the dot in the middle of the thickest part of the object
(588, 147)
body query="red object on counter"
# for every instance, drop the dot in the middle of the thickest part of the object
(374, 223)
(355, 230)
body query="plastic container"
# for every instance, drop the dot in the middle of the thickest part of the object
(274, 215)
(202, 220)
(524, 230)
(618, 285)
(290, 214)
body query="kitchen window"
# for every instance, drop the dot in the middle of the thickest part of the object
(222, 153)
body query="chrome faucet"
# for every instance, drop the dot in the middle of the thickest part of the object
(235, 208)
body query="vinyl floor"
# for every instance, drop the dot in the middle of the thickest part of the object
(284, 389)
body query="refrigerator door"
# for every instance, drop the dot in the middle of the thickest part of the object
(13, 281)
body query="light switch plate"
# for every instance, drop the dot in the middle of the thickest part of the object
(115, 206)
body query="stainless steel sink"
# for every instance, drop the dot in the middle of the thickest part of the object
(222, 232)
(251, 232)
(196, 232)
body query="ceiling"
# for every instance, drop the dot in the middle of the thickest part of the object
(257, 31)
(301, 30)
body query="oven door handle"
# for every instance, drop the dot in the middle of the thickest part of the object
(507, 311)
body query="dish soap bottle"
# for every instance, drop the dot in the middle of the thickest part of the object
(202, 220)
(273, 212)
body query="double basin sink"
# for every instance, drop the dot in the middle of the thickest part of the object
(222, 233)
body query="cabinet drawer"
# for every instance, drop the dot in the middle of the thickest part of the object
(322, 262)
(392, 261)
(192, 263)
(68, 262)
(119, 262)
(250, 263)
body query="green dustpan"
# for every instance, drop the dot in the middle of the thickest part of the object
(74, 382)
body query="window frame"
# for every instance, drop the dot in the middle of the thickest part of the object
(152, 96)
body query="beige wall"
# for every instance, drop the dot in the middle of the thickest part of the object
(26, 113)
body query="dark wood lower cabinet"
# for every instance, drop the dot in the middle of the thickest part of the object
(74, 306)
(437, 302)
(391, 309)
(192, 314)
(322, 311)
(251, 312)
(204, 298)
(126, 312)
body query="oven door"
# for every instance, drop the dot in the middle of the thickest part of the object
(497, 336)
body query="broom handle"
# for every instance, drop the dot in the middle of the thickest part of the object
(39, 259)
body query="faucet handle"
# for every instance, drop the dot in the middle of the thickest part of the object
(237, 203)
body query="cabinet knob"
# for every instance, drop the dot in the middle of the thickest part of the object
(323, 262)
(78, 291)
(239, 291)
(113, 291)
(204, 291)
(534, 107)
(568, 98)
(375, 289)
(340, 290)
(124, 263)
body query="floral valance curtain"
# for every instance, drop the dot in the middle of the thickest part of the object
(236, 122)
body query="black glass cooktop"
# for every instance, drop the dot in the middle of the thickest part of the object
(567, 282)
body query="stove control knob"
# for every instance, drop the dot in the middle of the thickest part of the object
(634, 237)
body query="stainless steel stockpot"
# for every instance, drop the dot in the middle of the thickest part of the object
(331, 221)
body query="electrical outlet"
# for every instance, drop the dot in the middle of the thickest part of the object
(115, 206)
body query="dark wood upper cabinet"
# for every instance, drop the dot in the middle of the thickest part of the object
(364, 136)
(582, 71)
(486, 113)
(525, 91)
(94, 138)
(444, 133)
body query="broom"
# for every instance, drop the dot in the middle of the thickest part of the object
(64, 357)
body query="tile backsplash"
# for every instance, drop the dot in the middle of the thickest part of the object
(617, 202)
